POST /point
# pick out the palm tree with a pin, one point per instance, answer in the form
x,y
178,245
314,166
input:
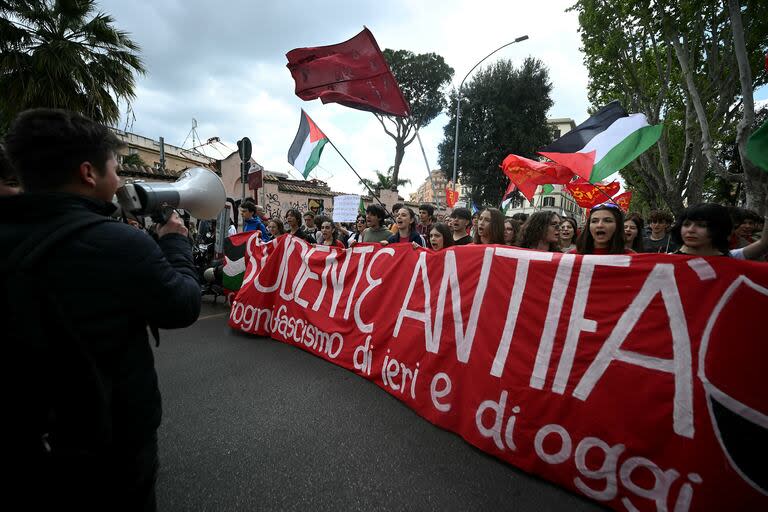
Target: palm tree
x,y
57,54
383,181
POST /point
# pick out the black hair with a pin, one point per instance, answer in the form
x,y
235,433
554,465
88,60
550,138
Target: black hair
x,y
47,146
637,243
522,217
396,208
461,213
248,205
719,224
428,208
739,215
296,214
377,211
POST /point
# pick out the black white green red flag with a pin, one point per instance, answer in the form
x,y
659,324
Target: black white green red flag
x,y
307,146
603,144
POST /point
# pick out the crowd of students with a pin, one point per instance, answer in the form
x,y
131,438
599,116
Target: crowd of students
x,y
706,229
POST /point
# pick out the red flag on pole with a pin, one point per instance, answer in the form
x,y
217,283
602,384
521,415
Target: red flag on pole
x,y
624,200
451,196
353,73
528,174
588,195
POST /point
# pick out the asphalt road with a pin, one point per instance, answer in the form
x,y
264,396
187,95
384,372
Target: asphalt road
x,y
253,424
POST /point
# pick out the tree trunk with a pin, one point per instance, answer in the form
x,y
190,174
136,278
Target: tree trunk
x,y
754,179
399,154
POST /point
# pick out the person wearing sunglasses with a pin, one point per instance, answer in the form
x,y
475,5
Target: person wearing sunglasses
x,y
357,233
604,232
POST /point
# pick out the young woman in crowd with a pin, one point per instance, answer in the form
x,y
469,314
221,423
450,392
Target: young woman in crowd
x,y
569,231
511,230
633,232
329,234
275,227
357,233
405,220
604,233
704,230
490,227
440,237
541,232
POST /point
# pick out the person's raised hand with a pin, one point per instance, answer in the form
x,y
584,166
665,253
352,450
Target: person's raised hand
x,y
174,225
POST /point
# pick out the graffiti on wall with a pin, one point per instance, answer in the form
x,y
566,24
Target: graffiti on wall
x,y
276,209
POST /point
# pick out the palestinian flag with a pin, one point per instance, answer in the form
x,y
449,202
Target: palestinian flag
x,y
234,260
603,144
757,145
307,146
506,200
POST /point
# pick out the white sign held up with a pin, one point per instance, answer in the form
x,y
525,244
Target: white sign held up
x,y
346,208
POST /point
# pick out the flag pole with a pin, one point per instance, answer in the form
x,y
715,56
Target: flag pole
x,y
358,176
429,172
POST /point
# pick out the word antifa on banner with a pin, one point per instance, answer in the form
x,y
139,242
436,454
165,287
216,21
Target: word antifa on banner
x,y
524,353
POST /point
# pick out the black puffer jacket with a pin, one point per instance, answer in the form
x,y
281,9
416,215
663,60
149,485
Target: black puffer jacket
x,y
110,281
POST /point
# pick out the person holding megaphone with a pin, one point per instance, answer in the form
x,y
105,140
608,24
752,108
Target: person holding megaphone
x,y
80,290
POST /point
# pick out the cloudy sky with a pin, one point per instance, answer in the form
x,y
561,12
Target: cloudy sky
x,y
223,64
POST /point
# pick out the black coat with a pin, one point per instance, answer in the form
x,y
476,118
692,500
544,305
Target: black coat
x,y
110,281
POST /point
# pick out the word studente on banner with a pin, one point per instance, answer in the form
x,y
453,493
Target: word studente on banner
x,y
633,380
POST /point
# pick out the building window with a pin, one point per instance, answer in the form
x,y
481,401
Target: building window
x,y
549,201
557,133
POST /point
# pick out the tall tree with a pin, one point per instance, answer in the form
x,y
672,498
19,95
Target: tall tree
x,y
503,111
678,63
60,54
422,78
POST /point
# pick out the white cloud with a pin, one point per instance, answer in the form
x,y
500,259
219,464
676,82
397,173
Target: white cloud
x,y
225,67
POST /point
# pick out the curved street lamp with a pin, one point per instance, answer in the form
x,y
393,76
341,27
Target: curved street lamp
x,y
458,104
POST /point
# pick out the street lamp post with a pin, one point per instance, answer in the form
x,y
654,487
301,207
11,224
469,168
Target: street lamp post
x,y
458,104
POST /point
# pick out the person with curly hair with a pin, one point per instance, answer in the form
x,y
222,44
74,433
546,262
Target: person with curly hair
x,y
541,232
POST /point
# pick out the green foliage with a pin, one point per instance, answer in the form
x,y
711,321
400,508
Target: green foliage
x,y
422,78
630,57
58,54
384,181
503,111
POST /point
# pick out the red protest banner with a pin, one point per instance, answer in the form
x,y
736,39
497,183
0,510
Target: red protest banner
x,y
633,380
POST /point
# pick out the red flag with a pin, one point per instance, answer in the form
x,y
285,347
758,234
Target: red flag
x,y
353,73
623,200
528,174
588,195
451,196
579,163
